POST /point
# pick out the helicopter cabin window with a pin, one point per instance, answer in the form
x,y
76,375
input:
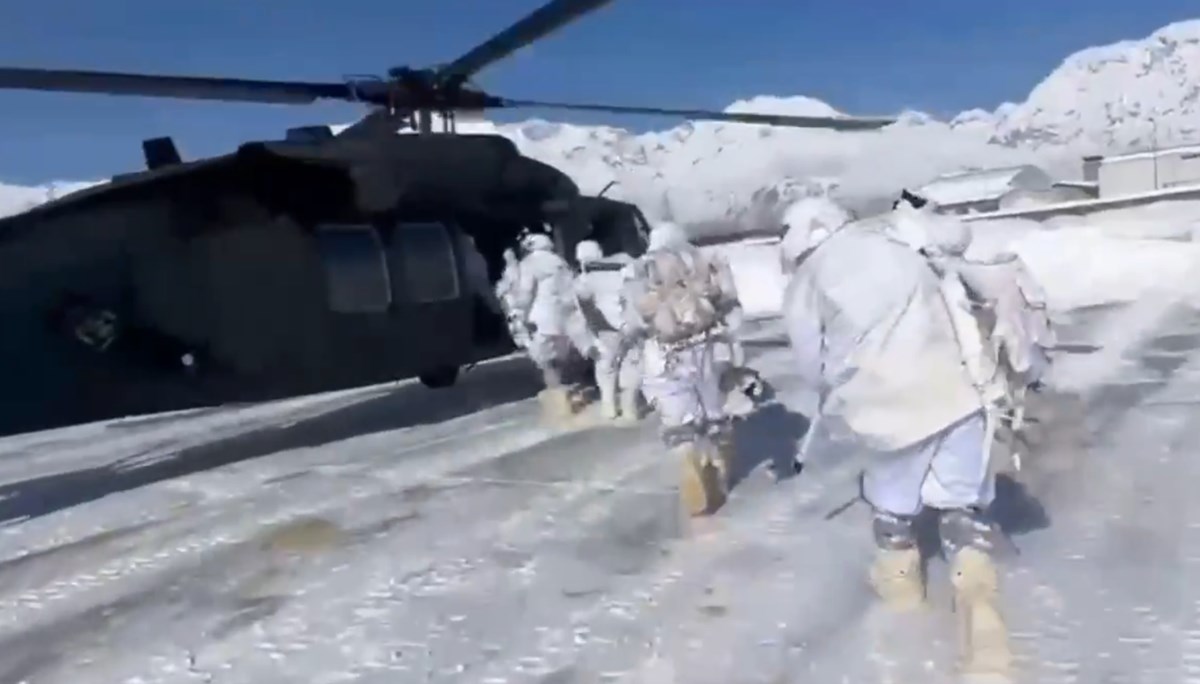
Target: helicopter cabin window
x,y
356,270
424,262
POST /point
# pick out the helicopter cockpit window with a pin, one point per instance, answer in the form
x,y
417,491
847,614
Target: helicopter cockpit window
x,y
424,263
356,270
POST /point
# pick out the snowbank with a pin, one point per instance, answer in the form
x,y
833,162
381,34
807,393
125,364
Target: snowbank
x,y
1105,258
1093,270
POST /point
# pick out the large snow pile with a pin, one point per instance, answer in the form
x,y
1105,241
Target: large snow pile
x,y
1097,100
1106,258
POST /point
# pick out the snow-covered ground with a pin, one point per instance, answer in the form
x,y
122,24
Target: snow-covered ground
x,y
394,534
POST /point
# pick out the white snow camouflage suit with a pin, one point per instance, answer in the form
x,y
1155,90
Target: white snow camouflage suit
x,y
681,323
598,289
888,343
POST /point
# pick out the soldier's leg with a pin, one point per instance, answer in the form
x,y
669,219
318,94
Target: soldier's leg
x,y
606,383
606,375
547,353
629,387
712,399
892,486
961,485
681,411
737,351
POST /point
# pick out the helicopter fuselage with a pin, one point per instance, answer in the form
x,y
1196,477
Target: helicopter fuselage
x,y
273,273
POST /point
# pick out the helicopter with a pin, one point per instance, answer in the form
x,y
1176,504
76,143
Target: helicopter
x,y
317,262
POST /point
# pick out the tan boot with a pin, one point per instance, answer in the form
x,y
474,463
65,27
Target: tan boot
x,y
700,488
557,408
983,636
897,579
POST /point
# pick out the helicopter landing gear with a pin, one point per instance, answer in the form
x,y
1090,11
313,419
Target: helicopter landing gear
x,y
437,378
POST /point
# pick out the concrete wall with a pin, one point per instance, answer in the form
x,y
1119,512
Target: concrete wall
x,y
1147,172
1090,206
965,208
1026,199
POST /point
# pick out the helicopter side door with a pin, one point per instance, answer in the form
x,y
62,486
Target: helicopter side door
x,y
431,286
358,279
401,289
425,264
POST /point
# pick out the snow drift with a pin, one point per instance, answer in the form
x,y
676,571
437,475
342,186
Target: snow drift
x,y
1107,258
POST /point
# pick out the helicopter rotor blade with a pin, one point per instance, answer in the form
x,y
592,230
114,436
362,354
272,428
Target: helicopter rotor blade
x,y
837,123
185,87
538,24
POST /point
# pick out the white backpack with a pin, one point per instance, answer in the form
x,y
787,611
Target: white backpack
x,y
680,295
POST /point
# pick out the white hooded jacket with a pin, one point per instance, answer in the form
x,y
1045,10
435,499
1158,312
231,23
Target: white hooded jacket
x,y
600,284
544,295
870,329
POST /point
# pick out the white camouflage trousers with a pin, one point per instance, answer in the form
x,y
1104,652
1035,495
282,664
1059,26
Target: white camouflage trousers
x,y
618,383
683,385
550,353
948,470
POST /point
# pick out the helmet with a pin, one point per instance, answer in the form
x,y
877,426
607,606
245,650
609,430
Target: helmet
x,y
588,251
809,222
667,235
538,242
911,199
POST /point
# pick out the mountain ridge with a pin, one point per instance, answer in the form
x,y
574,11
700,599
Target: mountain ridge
x,y
1132,94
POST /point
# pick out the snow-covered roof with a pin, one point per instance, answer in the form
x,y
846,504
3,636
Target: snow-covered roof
x,y
1151,154
981,186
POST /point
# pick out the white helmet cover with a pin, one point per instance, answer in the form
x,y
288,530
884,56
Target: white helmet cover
x,y
588,251
667,235
809,222
538,242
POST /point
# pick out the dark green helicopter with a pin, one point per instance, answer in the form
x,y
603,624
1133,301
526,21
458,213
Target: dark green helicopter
x,y
308,264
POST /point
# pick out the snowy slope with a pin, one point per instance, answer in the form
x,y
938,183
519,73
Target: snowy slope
x,y
1099,99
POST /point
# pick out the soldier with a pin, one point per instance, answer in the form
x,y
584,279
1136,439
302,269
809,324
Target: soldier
x,y
676,306
886,339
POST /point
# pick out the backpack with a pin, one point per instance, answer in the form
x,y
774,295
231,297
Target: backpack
x,y
974,328
680,295
609,268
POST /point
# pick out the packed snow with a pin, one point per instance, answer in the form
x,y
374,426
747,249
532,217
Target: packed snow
x,y
396,534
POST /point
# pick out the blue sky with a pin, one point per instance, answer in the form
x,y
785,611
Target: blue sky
x,y
864,57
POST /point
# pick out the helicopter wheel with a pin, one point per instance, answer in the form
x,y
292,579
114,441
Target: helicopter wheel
x,y
442,376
